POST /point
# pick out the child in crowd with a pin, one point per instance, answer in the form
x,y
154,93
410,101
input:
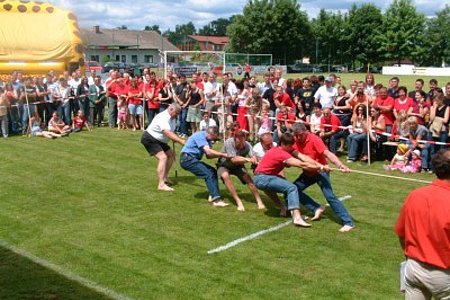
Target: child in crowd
x,y
415,162
266,122
36,130
79,122
122,113
400,159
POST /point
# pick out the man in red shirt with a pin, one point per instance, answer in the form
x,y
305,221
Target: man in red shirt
x,y
423,227
267,176
330,130
312,146
282,98
112,93
386,104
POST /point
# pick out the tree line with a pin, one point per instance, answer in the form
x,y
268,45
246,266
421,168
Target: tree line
x,y
363,35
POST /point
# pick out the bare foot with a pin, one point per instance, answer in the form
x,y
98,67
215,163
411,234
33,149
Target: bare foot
x,y
165,188
241,208
262,206
220,203
318,213
300,222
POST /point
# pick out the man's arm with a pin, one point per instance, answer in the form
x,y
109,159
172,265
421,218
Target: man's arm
x,y
309,166
211,153
171,135
335,160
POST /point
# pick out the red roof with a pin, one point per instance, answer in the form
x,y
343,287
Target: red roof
x,y
218,40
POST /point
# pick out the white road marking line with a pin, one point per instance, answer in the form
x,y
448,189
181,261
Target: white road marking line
x,y
66,273
259,233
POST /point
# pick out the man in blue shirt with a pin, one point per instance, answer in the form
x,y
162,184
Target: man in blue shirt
x,y
191,160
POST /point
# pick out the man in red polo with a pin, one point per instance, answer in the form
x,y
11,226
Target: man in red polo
x,y
423,227
386,105
330,129
312,146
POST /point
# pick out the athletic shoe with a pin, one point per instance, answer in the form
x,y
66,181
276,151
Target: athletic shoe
x,y
220,203
346,228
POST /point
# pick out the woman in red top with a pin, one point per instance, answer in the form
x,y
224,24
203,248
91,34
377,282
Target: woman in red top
x,y
135,109
403,102
151,94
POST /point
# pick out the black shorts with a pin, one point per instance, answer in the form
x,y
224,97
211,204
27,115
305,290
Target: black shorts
x,y
237,171
152,145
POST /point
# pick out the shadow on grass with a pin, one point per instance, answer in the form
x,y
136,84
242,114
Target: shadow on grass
x,y
21,278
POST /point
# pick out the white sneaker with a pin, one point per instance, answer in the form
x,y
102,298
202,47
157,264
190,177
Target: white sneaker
x,y
346,228
220,203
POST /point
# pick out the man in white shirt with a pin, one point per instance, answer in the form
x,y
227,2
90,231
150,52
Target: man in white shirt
x,y
155,139
326,93
207,122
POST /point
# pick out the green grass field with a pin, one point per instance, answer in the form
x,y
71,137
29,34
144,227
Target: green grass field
x,y
88,204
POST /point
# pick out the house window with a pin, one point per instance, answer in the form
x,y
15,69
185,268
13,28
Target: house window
x,y
134,59
124,58
117,57
148,58
95,58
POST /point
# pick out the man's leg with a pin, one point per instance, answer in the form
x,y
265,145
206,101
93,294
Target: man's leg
x,y
302,183
161,171
277,184
336,205
169,162
249,181
230,187
208,173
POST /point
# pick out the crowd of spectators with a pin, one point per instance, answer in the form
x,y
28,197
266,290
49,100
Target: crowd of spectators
x,y
358,120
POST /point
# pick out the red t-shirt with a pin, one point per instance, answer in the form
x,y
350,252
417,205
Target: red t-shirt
x,y
112,88
272,162
424,223
290,117
388,115
332,124
399,106
152,103
313,147
78,122
134,100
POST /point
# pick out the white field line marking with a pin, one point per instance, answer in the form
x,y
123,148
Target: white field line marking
x,y
259,233
341,199
66,273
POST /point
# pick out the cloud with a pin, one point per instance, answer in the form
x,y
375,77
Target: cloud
x,y
137,14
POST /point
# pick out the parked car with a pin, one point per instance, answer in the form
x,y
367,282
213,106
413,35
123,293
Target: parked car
x,y
93,66
120,66
300,68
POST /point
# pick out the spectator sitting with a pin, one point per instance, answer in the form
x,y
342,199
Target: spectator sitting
x,y
357,141
56,125
400,159
314,119
79,122
330,130
36,129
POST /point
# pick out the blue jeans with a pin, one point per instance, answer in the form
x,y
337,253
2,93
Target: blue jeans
x,y
202,170
334,140
323,180
67,114
183,123
277,184
355,142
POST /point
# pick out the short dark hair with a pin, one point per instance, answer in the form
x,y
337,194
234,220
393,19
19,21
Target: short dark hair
x,y
434,81
287,139
441,164
420,80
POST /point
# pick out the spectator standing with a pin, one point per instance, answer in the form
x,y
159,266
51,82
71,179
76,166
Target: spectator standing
x,y
423,229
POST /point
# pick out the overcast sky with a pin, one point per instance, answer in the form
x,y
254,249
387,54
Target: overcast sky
x,y
136,14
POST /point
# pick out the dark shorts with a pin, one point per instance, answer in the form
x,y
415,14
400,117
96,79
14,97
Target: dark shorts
x,y
152,145
239,172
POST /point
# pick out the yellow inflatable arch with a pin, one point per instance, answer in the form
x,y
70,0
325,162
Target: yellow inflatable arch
x,y
36,37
